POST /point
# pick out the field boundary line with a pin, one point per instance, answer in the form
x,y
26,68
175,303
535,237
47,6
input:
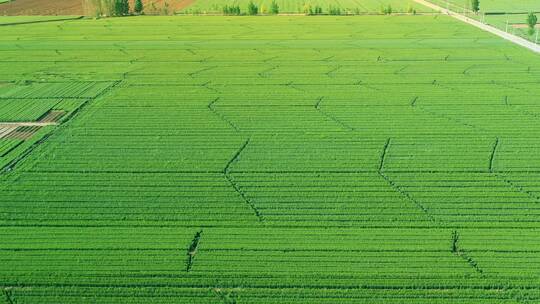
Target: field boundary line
x,y
517,187
459,252
383,154
396,187
212,108
235,186
493,153
42,21
235,157
488,28
7,295
192,250
331,117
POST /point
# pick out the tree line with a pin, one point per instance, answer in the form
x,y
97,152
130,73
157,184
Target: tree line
x,y
106,8
252,9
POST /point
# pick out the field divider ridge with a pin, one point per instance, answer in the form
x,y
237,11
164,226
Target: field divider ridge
x,y
331,117
458,251
492,156
43,21
192,250
397,188
212,108
228,177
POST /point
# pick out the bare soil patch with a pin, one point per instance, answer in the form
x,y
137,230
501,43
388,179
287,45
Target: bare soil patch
x,y
52,116
5,130
523,25
23,133
41,7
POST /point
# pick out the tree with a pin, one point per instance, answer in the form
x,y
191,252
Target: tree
x,y
165,9
138,6
307,9
121,7
252,8
475,6
125,7
100,8
231,10
531,22
334,10
387,10
274,8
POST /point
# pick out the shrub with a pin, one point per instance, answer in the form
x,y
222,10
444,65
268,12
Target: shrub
x,y
386,10
309,10
274,8
531,22
252,8
165,8
100,8
121,7
334,10
231,10
475,6
411,9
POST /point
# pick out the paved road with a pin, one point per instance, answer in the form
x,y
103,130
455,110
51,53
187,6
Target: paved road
x,y
488,28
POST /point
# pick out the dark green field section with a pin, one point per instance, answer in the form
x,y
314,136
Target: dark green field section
x,y
276,160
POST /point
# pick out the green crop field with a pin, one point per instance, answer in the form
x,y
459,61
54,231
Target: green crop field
x,y
300,6
287,159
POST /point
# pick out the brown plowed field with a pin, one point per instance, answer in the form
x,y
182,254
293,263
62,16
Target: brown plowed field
x,y
42,7
76,7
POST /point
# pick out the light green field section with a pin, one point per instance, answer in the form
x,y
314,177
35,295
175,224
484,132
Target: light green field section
x,y
373,159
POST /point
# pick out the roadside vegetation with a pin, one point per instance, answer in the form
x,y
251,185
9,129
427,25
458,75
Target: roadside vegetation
x,y
313,7
531,22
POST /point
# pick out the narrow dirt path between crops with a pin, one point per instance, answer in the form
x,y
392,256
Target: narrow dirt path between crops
x,y
488,28
523,25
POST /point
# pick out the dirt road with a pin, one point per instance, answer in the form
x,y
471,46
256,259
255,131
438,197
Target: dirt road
x,y
488,28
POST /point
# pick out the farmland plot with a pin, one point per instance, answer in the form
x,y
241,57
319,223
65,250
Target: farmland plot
x,y
268,160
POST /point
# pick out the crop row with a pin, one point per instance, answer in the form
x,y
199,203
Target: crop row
x,y
284,199
25,110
